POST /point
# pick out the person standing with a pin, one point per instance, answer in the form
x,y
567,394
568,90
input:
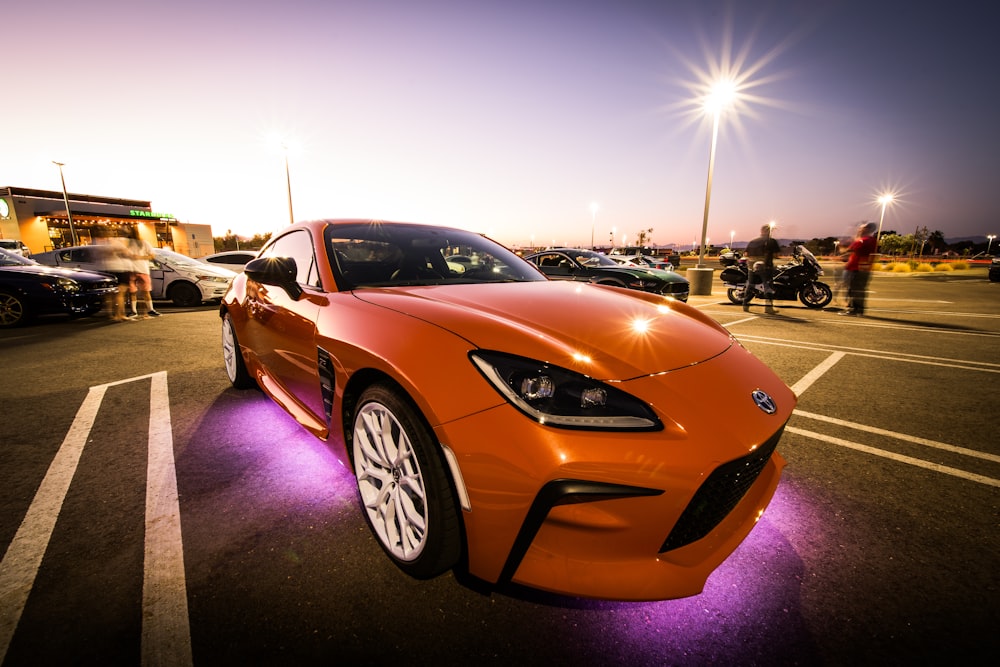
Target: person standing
x,y
141,252
114,260
760,254
857,269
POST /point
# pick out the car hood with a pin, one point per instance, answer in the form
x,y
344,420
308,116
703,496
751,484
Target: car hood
x,y
647,272
41,270
608,333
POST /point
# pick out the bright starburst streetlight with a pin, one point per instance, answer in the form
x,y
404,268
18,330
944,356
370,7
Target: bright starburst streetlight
x,y
884,199
989,242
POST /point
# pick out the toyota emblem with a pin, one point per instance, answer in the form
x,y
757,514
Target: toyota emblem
x,y
764,401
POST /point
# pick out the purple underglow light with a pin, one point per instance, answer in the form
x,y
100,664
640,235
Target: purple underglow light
x,y
253,460
754,595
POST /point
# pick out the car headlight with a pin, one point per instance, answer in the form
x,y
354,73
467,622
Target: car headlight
x,y
63,285
213,279
560,397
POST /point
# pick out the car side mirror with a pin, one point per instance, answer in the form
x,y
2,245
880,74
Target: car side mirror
x,y
279,271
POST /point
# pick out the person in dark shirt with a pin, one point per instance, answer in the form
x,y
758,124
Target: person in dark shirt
x,y
760,254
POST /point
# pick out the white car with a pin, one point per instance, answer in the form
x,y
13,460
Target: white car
x,y
175,277
15,246
644,261
234,260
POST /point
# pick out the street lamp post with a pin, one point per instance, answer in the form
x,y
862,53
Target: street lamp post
x,y
989,242
593,222
69,215
732,238
885,200
288,181
720,97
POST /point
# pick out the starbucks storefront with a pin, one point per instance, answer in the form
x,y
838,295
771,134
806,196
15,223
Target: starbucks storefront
x,y
41,220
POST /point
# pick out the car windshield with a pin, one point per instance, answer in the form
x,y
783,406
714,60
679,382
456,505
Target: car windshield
x,y
371,254
176,259
591,258
8,258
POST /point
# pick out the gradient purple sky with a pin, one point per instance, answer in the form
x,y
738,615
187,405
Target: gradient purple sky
x,y
511,117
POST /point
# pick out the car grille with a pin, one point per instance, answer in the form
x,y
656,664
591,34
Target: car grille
x,y
99,287
719,494
677,289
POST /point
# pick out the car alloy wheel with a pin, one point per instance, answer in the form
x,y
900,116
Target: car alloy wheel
x,y
12,310
404,490
232,357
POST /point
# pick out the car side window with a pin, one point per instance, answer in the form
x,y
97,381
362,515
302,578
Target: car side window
x,y
298,246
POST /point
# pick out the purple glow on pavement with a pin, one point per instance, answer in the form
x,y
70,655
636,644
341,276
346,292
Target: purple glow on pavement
x,y
729,622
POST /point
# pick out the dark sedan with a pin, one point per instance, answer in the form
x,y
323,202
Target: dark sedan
x,y
595,267
28,289
995,270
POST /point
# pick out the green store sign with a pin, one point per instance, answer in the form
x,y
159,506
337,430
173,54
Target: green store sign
x,y
136,213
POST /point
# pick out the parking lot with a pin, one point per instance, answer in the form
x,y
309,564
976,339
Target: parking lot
x,y
154,514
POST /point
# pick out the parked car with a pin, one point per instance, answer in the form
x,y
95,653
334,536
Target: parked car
x,y
234,260
175,277
28,289
995,270
15,246
556,434
596,267
644,261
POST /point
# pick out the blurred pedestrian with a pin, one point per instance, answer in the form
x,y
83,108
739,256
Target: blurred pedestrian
x,y
113,258
141,286
760,254
857,269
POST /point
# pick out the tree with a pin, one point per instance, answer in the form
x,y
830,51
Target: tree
x,y
644,236
936,242
233,242
826,246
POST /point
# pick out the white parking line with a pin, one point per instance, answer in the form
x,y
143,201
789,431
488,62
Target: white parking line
x,y
828,363
166,636
24,555
166,632
900,436
960,364
816,373
920,463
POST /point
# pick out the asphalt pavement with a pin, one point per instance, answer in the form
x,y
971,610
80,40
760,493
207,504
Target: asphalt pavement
x,y
880,547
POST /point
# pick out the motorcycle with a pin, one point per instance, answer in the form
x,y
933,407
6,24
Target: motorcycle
x,y
795,280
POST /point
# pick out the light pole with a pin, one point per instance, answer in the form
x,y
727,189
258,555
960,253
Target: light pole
x,y
593,222
885,200
288,181
732,238
69,216
989,242
719,99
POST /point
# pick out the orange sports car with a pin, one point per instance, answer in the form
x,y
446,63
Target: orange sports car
x,y
582,439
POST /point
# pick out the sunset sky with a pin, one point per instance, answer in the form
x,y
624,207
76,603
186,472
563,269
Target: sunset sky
x,y
511,117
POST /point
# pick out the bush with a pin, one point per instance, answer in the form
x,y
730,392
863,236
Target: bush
x,y
924,268
944,267
901,267
961,266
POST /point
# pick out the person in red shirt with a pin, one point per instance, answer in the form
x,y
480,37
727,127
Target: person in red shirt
x,y
857,270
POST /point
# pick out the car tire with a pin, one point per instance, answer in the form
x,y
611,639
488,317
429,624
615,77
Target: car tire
x,y
403,488
185,295
232,357
13,310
